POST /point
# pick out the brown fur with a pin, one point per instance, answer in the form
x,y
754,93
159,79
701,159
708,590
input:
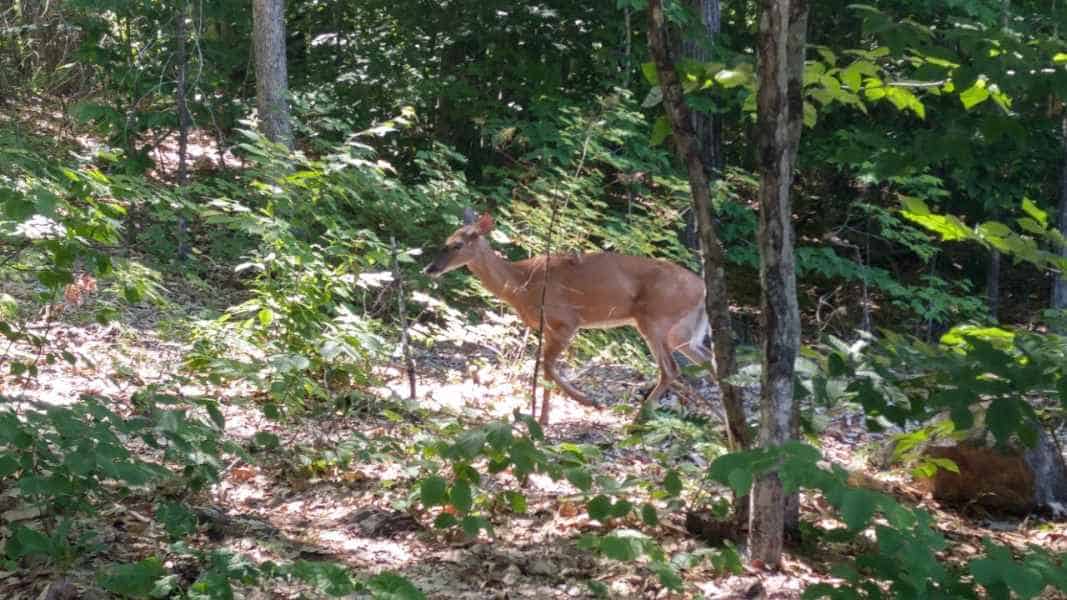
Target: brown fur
x,y
663,300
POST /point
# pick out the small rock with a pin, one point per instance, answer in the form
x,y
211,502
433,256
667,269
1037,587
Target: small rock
x,y
511,574
542,567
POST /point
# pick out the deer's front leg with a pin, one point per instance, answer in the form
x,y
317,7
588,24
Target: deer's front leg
x,y
556,340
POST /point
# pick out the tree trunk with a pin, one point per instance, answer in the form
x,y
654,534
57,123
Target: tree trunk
x,y
1059,286
781,40
707,128
272,88
714,259
184,120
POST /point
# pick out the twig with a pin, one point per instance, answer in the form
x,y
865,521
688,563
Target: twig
x,y
541,327
548,263
404,346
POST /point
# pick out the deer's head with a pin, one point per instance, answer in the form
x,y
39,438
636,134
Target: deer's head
x,y
462,246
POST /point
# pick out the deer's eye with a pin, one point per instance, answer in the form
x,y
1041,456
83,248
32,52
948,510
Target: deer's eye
x,y
455,246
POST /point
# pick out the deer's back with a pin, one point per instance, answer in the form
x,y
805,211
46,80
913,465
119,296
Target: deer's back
x,y
609,290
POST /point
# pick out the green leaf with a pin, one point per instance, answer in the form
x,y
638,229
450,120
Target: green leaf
x,y
857,508
620,548
811,115
28,542
266,317
444,521
621,508
579,478
8,465
83,461
177,520
1036,213
1003,417
667,575
461,497
994,229
672,483
974,95
904,99
914,205
731,78
389,586
536,433
660,130
499,435
472,525
132,294
740,481
996,570
469,445
1031,226
216,415
516,501
432,491
648,69
852,75
266,440
599,507
137,579
466,473
648,515
130,473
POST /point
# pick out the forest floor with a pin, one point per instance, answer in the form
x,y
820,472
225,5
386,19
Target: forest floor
x,y
305,501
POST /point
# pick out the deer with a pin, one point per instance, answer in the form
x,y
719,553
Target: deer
x,y
664,301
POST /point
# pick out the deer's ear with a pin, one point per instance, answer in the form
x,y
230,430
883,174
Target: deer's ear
x,y
468,216
485,223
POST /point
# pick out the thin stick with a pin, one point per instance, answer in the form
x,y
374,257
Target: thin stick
x,y
404,346
541,327
548,261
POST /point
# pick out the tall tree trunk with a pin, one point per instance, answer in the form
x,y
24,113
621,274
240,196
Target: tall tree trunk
x,y
716,297
272,85
1059,286
184,120
781,40
707,128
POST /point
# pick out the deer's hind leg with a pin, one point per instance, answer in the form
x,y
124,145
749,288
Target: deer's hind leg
x,y
656,337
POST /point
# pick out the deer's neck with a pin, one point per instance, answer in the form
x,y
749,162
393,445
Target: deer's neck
x,y
503,278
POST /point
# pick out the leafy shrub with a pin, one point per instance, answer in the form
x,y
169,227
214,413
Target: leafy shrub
x,y
319,276
904,557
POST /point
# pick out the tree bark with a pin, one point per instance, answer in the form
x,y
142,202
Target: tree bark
x,y
272,87
781,41
707,128
716,297
1059,286
184,120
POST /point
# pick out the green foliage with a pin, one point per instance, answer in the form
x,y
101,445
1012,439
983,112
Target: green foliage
x,y
305,334
520,447
137,580
61,458
56,225
907,543
586,164
997,235
905,380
